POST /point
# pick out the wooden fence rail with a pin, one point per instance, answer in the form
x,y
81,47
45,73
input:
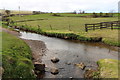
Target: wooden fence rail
x,y
109,25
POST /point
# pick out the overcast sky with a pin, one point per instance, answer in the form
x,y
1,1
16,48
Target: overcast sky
x,y
61,5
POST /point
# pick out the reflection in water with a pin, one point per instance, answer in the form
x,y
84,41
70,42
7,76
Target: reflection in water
x,y
69,53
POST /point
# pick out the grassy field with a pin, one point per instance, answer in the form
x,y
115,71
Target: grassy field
x,y
109,36
108,68
76,24
71,24
16,57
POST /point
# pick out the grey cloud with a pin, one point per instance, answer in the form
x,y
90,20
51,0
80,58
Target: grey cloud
x,y
60,5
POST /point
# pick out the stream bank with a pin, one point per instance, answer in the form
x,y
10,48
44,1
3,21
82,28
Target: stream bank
x,y
70,53
69,35
37,47
78,52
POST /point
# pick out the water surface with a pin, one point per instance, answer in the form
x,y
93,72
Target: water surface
x,y
69,53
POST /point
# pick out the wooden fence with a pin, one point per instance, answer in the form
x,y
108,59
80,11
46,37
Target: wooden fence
x,y
109,25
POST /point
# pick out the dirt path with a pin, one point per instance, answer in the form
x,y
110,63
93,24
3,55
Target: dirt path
x,y
37,47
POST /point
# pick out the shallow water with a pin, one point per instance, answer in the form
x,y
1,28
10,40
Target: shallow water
x,y
70,52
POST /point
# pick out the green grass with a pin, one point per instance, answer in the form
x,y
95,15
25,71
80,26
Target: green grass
x,y
77,25
109,36
108,68
16,57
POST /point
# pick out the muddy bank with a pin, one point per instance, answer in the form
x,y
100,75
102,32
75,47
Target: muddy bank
x,y
38,48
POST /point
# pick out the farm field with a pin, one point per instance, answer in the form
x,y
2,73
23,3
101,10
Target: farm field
x,y
71,24
76,24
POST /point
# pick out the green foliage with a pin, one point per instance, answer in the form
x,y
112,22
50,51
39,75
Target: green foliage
x,y
83,38
16,58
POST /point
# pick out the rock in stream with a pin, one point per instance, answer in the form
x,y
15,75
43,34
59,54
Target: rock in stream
x,y
39,67
55,60
54,71
81,65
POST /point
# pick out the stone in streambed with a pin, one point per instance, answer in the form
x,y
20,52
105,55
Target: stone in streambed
x,y
54,71
71,78
81,65
55,60
68,63
89,73
39,66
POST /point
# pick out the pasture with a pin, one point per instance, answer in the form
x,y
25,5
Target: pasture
x,y
76,24
69,23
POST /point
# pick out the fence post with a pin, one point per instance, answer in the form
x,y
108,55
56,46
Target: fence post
x,y
93,26
38,27
50,27
26,25
86,28
118,25
106,24
111,25
69,28
100,25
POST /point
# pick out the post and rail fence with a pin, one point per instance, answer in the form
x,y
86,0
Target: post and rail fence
x,y
109,25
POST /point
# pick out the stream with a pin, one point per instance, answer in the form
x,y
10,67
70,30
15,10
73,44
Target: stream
x,y
70,52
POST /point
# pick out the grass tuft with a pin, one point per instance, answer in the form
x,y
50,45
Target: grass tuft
x,y
108,68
